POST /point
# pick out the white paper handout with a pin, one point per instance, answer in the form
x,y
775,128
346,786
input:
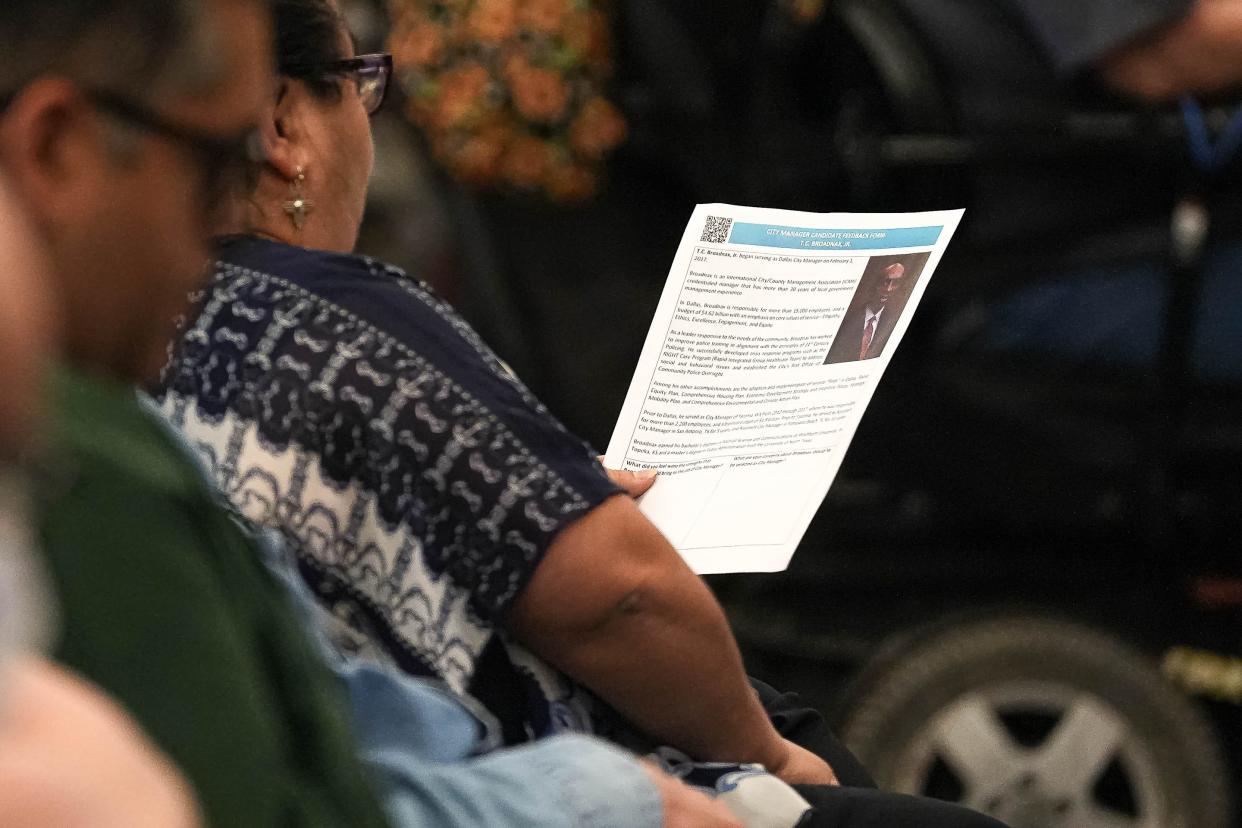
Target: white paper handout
x,y
772,333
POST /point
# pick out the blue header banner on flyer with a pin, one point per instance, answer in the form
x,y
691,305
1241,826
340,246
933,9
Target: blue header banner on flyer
x,y
816,238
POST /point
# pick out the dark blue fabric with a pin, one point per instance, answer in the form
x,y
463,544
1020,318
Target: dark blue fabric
x,y
382,295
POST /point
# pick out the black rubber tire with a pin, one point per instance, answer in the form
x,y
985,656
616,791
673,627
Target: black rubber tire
x,y
891,719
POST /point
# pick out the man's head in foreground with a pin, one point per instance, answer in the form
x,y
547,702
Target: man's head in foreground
x,y
121,121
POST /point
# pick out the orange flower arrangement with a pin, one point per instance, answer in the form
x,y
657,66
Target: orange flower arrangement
x,y
511,93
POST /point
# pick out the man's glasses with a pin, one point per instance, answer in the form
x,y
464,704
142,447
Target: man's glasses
x,y
227,163
370,74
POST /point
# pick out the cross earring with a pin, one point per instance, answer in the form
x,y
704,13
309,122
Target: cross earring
x,y
298,207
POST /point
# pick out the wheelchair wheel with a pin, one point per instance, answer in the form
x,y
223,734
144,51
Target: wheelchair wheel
x,y
1040,722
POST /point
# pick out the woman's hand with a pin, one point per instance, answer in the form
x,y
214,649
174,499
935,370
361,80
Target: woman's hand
x,y
801,767
635,483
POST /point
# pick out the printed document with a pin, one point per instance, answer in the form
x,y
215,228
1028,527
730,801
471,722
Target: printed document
x,y
772,333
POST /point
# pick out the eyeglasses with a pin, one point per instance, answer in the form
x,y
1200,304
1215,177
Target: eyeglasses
x,y
370,73
226,162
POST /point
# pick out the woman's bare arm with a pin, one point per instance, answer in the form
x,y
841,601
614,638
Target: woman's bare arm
x,y
614,606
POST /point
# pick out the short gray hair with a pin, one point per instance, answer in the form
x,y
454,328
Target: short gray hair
x,y
143,48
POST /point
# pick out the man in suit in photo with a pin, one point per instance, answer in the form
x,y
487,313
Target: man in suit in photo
x,y
870,320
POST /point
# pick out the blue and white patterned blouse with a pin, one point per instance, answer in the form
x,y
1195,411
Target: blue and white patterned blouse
x,y
338,400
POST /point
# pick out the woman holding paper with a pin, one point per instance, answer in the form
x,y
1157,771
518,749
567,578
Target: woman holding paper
x,y
437,509
446,522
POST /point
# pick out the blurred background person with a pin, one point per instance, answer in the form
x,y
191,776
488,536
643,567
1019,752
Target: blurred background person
x,y
1091,194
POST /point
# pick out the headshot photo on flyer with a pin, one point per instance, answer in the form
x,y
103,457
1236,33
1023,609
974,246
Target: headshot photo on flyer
x,y
876,306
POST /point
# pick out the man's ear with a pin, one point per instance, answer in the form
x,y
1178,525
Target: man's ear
x,y
51,150
282,130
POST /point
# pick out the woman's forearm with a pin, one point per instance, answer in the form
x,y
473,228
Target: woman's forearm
x,y
614,607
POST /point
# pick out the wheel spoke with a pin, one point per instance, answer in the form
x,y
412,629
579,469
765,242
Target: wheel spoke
x,y
976,744
1078,750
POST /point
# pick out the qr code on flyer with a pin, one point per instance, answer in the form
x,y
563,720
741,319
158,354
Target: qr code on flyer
x,y
716,230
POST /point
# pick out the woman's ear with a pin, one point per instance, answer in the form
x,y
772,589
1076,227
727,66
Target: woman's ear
x,y
282,133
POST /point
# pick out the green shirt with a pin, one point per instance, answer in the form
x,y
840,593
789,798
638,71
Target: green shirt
x,y
165,604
